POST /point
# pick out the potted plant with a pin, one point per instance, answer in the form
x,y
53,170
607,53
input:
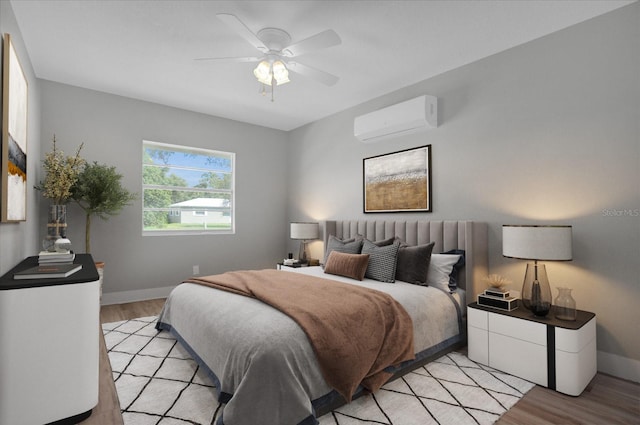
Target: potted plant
x,y
99,192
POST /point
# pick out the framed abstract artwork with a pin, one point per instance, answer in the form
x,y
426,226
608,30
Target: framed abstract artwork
x,y
398,181
14,136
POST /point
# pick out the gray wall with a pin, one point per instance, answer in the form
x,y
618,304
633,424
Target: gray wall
x,y
19,240
112,129
543,133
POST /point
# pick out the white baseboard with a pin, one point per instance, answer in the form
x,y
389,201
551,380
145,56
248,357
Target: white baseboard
x,y
618,366
137,295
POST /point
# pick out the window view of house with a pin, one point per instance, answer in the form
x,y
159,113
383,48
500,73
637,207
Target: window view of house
x,y
186,190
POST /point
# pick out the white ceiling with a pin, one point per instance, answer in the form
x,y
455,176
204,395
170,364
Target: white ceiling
x,y
145,49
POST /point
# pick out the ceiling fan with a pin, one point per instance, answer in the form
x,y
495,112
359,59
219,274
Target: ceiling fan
x,y
277,52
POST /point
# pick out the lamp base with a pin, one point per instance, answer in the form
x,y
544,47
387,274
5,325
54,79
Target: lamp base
x,y
536,292
302,255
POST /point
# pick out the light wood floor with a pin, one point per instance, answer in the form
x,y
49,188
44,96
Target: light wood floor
x,y
606,400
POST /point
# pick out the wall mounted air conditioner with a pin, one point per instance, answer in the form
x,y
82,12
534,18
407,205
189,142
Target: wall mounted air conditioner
x,y
402,118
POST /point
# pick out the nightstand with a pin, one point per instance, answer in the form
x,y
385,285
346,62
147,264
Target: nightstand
x,y
557,354
280,265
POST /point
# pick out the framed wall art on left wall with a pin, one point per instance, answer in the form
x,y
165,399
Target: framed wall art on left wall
x,y
14,136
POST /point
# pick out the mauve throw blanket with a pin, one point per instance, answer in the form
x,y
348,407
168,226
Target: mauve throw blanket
x,y
355,332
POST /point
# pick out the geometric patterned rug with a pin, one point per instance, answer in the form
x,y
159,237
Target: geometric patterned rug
x,y
158,383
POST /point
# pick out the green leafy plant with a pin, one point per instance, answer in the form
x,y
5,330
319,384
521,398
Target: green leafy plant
x,y
99,192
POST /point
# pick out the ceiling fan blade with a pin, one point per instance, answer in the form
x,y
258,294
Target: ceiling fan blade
x,y
316,74
319,41
238,26
231,59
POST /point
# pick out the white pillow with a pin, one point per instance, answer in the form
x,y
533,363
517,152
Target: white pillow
x,y
440,269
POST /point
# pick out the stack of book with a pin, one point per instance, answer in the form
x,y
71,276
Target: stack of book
x,y
47,257
498,298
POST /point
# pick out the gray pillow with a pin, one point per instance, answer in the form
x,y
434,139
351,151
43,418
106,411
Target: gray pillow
x,y
348,246
413,263
382,261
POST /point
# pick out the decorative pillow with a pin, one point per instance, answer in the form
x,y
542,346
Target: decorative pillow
x,y
413,263
382,261
444,268
349,246
348,265
386,242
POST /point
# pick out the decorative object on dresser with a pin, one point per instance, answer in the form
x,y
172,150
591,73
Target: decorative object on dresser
x,y
498,299
532,242
304,232
496,295
557,354
564,305
496,282
61,173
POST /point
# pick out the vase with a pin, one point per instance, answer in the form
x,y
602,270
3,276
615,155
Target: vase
x,y
536,292
56,225
565,305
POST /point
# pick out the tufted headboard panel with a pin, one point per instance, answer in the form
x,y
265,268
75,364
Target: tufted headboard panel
x,y
471,236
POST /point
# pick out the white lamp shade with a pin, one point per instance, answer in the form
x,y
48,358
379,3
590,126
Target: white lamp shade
x,y
304,231
547,243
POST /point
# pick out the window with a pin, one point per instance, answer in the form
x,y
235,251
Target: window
x,y
186,190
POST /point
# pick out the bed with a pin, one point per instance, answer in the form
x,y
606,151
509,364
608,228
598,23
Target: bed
x,y
263,365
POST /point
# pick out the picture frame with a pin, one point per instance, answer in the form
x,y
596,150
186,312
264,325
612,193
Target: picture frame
x,y
13,206
398,181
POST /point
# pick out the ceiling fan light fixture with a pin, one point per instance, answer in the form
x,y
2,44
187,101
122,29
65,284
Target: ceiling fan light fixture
x,y
280,73
263,72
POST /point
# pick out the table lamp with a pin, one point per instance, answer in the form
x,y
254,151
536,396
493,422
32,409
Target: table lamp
x,y
304,232
544,243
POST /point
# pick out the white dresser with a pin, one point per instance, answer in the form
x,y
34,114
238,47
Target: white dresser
x,y
49,346
557,354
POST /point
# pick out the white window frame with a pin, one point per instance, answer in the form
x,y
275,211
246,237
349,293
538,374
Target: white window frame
x,y
171,211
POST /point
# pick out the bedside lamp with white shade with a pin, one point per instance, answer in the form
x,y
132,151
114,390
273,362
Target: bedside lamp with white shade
x,y
304,232
538,243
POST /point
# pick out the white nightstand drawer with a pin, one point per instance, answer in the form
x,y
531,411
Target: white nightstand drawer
x,y
520,358
478,345
573,341
477,318
575,370
517,328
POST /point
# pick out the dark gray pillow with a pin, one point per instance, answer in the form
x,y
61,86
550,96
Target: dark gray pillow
x,y
382,261
413,263
348,246
385,242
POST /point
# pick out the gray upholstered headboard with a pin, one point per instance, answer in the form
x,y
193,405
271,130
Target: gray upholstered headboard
x,y
471,236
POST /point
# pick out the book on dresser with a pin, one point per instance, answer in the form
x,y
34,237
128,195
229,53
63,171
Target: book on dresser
x,y
47,257
47,271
